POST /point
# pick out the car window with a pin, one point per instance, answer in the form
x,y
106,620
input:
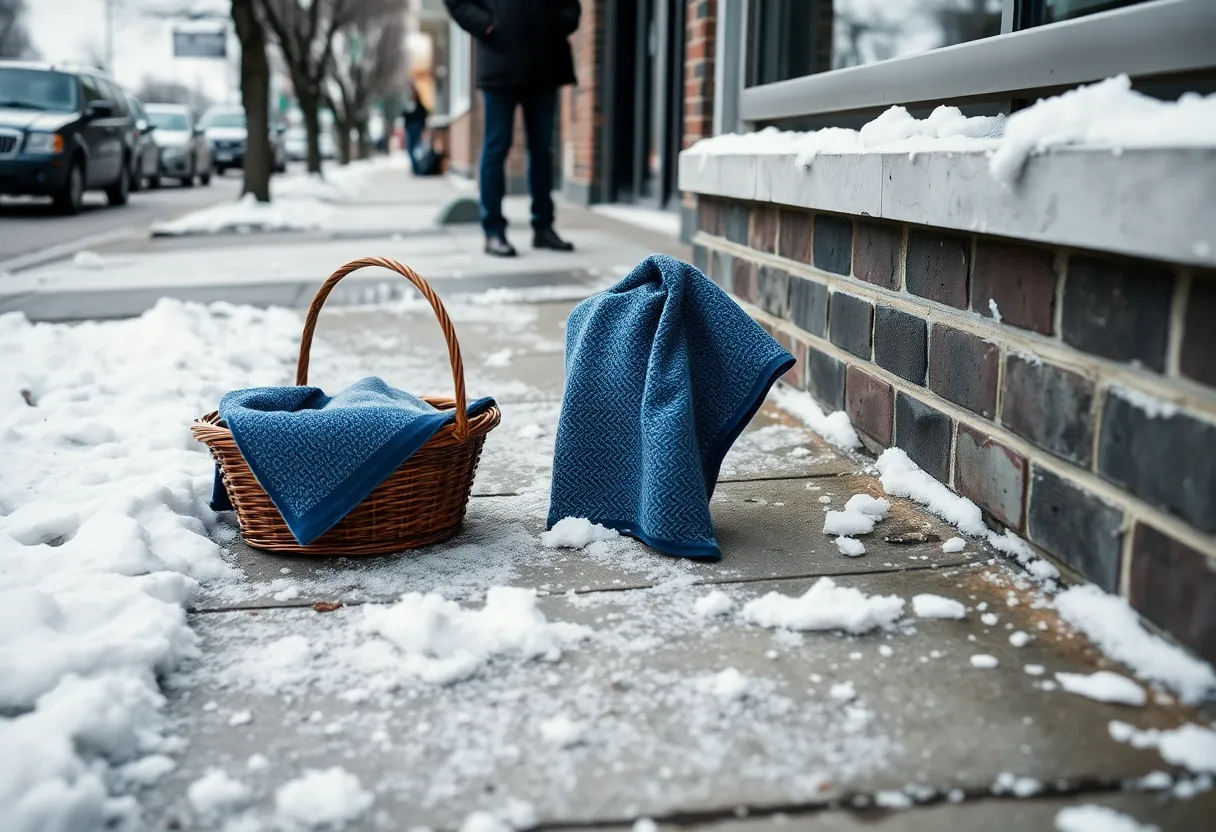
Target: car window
x,y
233,118
37,89
91,91
114,96
170,121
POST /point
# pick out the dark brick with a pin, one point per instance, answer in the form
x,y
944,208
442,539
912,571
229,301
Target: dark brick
x,y
1050,406
809,305
743,279
963,368
1075,526
794,236
876,253
937,267
1118,310
869,404
833,243
700,259
991,474
709,216
733,219
1022,281
1174,586
851,323
794,375
723,270
901,343
774,291
1165,459
925,433
763,235
1198,357
825,379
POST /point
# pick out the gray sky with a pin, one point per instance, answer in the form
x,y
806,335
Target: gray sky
x,y
70,30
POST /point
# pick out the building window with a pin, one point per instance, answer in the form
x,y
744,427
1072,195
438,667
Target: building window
x,y
460,68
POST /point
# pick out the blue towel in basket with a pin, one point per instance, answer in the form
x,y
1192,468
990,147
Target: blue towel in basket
x,y
663,371
319,456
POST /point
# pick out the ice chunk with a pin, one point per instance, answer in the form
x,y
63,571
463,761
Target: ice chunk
x,y
984,661
575,533
928,605
825,606
1103,686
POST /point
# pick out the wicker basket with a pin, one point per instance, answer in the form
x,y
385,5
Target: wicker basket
x,y
422,502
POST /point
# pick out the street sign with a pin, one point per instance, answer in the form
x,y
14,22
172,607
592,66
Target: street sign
x,y
196,43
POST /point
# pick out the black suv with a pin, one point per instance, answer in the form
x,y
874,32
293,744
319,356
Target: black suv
x,y
62,132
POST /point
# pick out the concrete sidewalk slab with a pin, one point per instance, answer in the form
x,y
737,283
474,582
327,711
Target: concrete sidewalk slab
x,y
657,741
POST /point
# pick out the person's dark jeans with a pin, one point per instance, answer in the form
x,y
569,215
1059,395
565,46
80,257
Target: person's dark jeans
x,y
413,138
540,109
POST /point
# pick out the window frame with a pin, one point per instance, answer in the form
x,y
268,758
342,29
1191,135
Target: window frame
x,y
1152,38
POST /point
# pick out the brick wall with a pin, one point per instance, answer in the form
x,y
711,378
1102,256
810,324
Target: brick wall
x,y
701,20
582,117
1071,395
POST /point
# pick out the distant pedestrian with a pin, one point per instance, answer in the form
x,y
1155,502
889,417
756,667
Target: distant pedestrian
x,y
523,58
415,116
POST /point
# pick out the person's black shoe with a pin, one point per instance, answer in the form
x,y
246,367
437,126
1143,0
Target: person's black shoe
x,y
499,247
549,239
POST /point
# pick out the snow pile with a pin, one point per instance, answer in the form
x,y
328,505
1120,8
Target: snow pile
x,y
1191,746
860,514
337,183
825,606
1109,115
329,798
104,536
215,794
928,605
1111,623
1103,686
575,533
727,685
248,215
850,547
835,429
714,604
953,545
562,731
1090,817
440,642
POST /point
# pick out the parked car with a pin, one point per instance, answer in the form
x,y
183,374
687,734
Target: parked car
x,y
63,132
185,153
295,142
146,157
227,134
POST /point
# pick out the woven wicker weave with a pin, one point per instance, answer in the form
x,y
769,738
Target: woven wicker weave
x,y
422,502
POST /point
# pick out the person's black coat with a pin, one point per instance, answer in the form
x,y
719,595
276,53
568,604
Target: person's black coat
x,y
520,43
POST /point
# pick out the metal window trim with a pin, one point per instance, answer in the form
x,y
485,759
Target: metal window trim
x,y
1149,39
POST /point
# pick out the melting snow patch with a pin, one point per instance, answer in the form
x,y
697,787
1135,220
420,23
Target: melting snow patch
x,y
901,477
1111,623
892,799
825,606
1091,817
562,731
927,605
996,313
850,547
442,643
1154,407
1191,746
1103,686
835,429
1008,783
1019,638
484,822
532,431
502,358
953,545
215,794
331,797
848,522
727,685
843,691
575,533
714,604
984,661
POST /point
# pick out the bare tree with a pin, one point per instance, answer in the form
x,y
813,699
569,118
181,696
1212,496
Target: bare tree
x,y
255,97
369,59
14,38
304,31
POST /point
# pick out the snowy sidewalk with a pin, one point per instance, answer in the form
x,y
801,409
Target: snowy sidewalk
x,y
491,683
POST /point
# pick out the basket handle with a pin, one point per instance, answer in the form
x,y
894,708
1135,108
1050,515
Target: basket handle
x,y
445,323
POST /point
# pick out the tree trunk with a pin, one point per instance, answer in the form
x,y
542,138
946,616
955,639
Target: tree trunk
x,y
345,151
365,142
310,109
255,97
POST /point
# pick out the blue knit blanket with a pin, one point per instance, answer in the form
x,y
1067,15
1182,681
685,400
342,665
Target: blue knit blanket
x,y
319,456
663,371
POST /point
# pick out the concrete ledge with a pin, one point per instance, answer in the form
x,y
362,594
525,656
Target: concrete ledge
x,y
1155,204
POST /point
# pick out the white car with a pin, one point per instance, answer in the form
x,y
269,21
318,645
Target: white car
x,y
185,154
225,128
295,142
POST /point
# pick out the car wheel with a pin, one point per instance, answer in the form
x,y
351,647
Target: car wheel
x,y
137,181
154,180
205,178
220,171
118,193
188,180
71,198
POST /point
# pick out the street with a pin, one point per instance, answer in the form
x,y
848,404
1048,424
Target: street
x,y
31,225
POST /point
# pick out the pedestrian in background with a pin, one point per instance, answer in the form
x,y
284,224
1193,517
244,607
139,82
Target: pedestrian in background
x,y
415,123
523,58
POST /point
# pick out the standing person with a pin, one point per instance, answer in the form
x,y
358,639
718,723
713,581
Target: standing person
x,y
415,122
523,58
